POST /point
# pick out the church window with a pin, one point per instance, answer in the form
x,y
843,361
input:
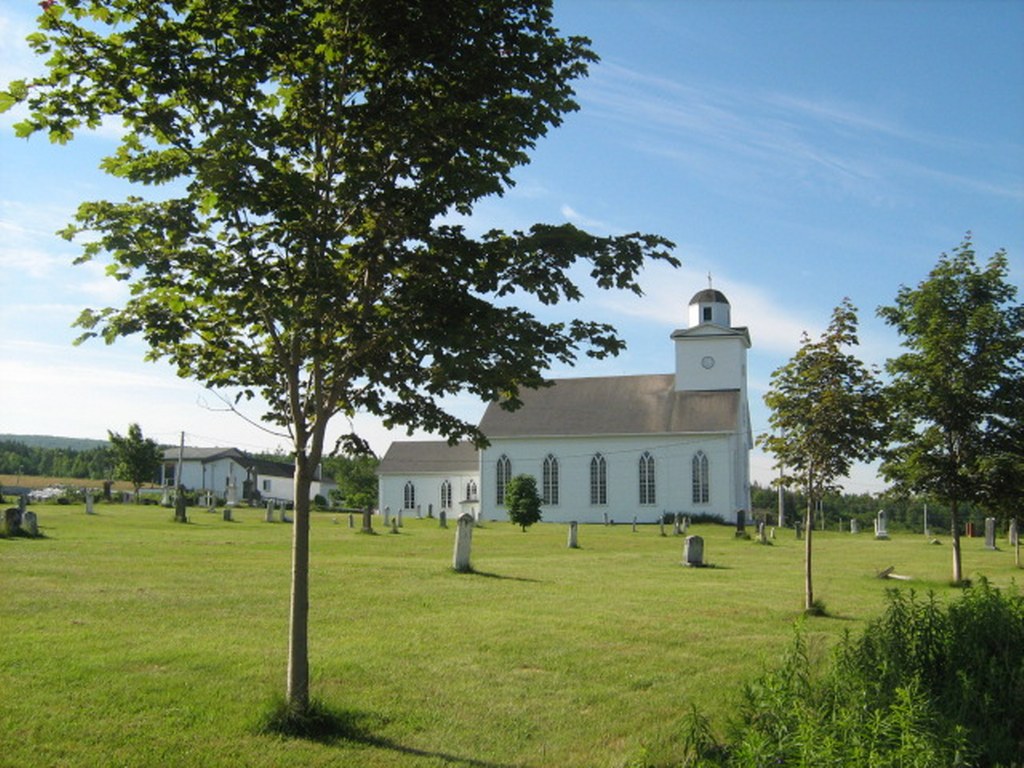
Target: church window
x,y
598,480
502,474
471,490
707,314
550,480
701,493
647,479
409,495
446,495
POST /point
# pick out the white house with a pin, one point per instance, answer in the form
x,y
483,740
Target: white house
x,y
219,469
614,447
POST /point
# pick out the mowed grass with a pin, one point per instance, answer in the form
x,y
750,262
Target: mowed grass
x,y
131,640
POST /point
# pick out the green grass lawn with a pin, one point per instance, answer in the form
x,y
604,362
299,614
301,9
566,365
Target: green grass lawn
x,y
130,640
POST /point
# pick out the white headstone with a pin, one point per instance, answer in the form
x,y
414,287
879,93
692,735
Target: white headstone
x,y
232,492
854,525
89,503
463,544
693,551
1014,535
990,533
574,535
882,525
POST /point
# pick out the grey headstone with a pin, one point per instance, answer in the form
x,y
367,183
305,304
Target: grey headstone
x,y
854,525
387,515
1014,535
463,544
12,521
741,521
394,526
990,533
400,518
227,514
89,503
574,535
29,523
882,525
269,516
442,518
693,551
367,520
351,520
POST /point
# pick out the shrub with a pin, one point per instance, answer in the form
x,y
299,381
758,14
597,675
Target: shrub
x,y
922,685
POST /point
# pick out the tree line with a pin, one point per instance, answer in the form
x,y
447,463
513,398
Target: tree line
x,y
18,458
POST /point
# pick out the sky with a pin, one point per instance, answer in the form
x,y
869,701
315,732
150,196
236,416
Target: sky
x,y
798,152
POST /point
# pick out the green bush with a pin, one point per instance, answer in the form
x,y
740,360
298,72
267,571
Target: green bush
x,y
923,685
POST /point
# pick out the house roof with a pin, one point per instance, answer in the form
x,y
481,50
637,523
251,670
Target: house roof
x,y
614,405
429,456
189,453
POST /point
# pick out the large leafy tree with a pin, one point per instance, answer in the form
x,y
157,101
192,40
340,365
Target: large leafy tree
x,y
304,247
956,390
137,459
827,412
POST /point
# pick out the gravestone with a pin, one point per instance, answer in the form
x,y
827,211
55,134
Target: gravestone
x,y
677,525
400,518
227,514
442,518
634,523
88,503
771,534
233,493
854,525
22,502
29,523
693,552
573,535
269,516
661,524
165,498
1014,535
606,518
12,521
367,520
882,525
463,544
284,515
351,520
741,522
430,511
387,515
990,533
761,536
180,515
686,524
394,526
418,513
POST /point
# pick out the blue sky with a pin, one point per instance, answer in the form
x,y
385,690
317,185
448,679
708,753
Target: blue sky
x,y
799,152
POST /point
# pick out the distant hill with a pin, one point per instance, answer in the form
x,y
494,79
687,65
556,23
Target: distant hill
x,y
50,441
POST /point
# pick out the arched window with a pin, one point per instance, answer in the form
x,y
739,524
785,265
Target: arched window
x,y
647,479
502,474
409,496
446,495
701,486
598,480
471,490
550,480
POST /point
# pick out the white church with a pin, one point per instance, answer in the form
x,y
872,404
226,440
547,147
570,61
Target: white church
x,y
604,448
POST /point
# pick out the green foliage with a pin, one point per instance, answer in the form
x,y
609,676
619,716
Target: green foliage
x,y
137,459
356,477
522,500
957,391
19,458
923,685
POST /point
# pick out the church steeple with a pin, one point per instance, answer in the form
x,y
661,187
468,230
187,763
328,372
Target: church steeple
x,y
710,353
709,306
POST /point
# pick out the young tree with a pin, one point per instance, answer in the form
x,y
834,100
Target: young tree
x,y
956,390
827,412
523,501
136,459
307,251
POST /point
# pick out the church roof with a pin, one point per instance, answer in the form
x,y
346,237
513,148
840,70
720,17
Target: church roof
x,y
614,405
429,456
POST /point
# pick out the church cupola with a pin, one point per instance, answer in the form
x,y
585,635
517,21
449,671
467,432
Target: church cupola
x,y
709,306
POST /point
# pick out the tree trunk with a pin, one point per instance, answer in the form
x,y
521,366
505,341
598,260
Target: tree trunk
x,y
808,533
298,627
954,518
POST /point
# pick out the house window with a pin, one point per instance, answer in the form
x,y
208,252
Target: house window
x,y
266,485
598,480
550,480
471,492
409,496
502,474
446,495
700,478
647,479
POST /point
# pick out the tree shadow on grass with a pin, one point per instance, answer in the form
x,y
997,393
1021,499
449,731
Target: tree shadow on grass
x,y
334,727
488,575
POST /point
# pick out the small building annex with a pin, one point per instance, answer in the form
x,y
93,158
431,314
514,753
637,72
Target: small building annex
x,y
614,447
